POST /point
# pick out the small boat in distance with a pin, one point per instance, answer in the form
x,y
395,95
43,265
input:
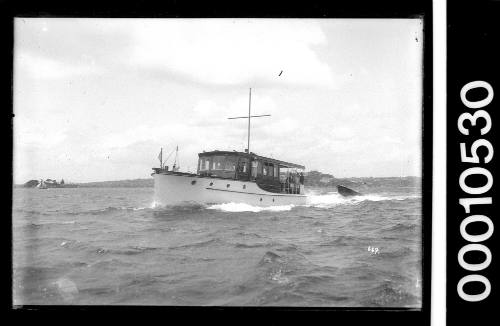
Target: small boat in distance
x,y
231,177
347,192
42,185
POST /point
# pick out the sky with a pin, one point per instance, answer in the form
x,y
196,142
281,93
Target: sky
x,y
96,99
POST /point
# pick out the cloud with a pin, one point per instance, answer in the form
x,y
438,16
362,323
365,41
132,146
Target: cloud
x,y
40,67
228,52
210,51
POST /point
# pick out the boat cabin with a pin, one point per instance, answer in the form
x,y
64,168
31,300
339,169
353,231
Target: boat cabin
x,y
270,174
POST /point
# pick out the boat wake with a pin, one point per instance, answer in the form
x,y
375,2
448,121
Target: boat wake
x,y
334,198
328,200
241,207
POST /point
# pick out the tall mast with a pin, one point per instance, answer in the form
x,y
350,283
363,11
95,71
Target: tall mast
x,y
176,153
249,117
160,157
249,106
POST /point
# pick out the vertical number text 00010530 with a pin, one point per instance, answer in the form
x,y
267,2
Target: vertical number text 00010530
x,y
468,203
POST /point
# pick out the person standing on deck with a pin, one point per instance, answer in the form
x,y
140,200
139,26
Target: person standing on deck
x,y
297,184
289,183
301,180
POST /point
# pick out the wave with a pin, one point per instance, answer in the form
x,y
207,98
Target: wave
x,y
139,281
313,200
270,257
339,241
111,264
197,244
247,245
35,273
106,210
278,276
134,250
383,198
390,294
400,227
248,234
98,211
30,212
37,225
130,250
99,291
313,280
112,209
288,248
334,199
126,251
241,207
401,252
188,207
141,208
81,245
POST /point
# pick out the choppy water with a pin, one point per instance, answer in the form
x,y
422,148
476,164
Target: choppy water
x,y
110,246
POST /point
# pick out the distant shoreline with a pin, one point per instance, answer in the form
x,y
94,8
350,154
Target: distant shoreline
x,y
318,180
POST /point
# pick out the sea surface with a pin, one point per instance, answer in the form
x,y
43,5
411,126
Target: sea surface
x,y
100,246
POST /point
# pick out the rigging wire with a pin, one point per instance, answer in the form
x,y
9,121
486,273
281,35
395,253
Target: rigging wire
x,y
165,161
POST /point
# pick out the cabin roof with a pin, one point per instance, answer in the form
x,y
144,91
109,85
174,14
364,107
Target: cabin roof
x,y
255,156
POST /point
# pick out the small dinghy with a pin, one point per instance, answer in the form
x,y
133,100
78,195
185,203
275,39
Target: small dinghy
x,y
347,192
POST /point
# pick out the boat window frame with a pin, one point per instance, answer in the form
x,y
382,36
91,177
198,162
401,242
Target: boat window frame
x,y
220,165
206,164
254,169
215,159
270,167
232,160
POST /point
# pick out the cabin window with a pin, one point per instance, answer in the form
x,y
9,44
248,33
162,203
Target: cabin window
x,y
230,163
223,163
204,164
218,162
254,169
271,169
276,171
283,175
259,168
268,169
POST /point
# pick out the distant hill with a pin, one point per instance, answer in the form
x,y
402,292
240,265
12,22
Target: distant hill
x,y
313,179
134,183
49,183
318,179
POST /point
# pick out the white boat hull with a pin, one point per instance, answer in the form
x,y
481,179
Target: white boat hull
x,y
177,189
